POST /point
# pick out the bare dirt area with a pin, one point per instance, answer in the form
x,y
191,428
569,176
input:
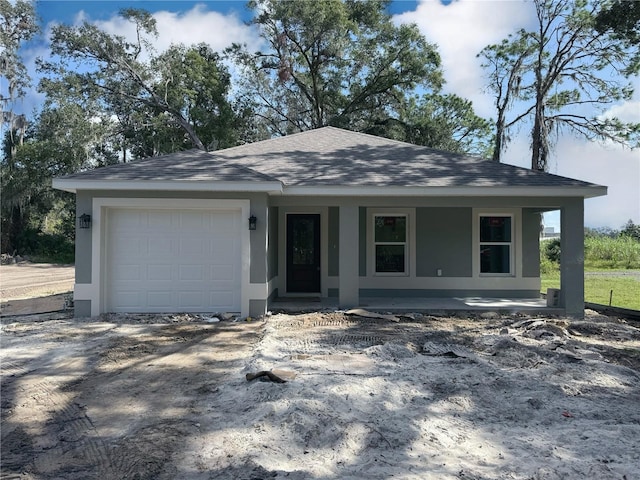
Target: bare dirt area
x,y
166,397
34,287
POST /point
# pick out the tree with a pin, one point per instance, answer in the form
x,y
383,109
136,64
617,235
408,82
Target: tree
x,y
556,73
341,63
446,122
631,230
622,18
58,142
177,98
18,24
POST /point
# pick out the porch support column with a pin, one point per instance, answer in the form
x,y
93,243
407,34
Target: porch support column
x,y
572,257
348,283
257,293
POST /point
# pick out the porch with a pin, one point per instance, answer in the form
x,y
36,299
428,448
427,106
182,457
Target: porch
x,y
425,305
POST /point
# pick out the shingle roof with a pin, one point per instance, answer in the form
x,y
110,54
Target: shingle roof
x,y
194,165
331,156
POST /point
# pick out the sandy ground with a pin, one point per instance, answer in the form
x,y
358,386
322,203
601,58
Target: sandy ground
x,y
34,287
166,397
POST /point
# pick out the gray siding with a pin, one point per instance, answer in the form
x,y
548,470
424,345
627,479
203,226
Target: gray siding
x,y
362,241
444,241
272,253
530,243
334,244
83,240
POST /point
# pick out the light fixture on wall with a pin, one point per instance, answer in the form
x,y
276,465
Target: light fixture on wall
x,y
253,222
84,221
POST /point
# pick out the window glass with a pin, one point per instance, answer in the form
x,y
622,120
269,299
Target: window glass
x,y
390,229
495,229
389,258
495,244
390,244
495,259
303,242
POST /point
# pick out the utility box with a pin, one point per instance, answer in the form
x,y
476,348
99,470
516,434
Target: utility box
x,y
553,297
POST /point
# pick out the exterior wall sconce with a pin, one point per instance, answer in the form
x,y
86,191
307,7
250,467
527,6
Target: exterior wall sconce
x,y
84,221
253,222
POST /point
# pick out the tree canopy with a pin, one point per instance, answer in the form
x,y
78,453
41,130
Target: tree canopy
x,y
341,63
161,102
549,75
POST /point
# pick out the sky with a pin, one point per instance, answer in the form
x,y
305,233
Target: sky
x,y
460,28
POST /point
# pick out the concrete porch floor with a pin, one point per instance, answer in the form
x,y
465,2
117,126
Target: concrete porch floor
x,y
422,305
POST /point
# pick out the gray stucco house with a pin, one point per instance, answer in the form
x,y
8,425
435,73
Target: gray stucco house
x,y
335,214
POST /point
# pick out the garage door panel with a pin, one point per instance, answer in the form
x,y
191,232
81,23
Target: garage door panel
x,y
173,260
130,245
226,221
222,273
223,298
191,272
125,273
194,245
158,246
126,300
195,221
159,219
159,272
160,299
189,300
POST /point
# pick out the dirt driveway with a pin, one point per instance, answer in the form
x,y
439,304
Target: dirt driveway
x,y
161,397
34,287
106,399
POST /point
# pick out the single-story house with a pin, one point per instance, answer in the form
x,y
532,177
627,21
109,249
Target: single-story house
x,y
323,213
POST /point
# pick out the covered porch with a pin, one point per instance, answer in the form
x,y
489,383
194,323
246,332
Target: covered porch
x,y
424,305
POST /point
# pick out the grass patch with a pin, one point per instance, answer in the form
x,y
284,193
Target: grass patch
x,y
626,290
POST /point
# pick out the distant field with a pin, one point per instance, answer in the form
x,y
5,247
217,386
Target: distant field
x,y
599,284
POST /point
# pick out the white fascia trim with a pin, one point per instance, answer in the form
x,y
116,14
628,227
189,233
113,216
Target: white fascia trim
x,y
96,289
72,185
332,191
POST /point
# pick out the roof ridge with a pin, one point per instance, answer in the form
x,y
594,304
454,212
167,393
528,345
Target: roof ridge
x,y
266,140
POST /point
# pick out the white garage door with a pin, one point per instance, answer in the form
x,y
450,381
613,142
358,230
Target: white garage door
x,y
173,260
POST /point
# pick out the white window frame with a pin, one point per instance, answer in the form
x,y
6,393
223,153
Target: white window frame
x,y
512,244
407,243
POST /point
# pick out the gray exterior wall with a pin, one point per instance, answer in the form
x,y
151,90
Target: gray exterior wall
x,y
444,241
83,240
362,241
530,242
443,225
272,253
333,235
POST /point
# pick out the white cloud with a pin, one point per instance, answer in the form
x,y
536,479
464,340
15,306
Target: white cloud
x,y
461,30
613,166
191,27
627,112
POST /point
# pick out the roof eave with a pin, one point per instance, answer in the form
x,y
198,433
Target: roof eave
x,y
73,185
585,191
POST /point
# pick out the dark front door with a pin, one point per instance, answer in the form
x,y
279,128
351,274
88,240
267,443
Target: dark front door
x,y
303,253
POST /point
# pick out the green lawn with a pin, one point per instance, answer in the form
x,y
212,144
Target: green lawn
x,y
597,288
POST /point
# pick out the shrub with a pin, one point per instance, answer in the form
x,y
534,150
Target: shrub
x,y
551,250
605,252
47,247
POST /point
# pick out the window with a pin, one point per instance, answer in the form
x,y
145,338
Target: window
x,y
496,244
390,244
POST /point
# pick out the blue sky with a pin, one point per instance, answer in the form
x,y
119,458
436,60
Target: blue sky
x,y
460,28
